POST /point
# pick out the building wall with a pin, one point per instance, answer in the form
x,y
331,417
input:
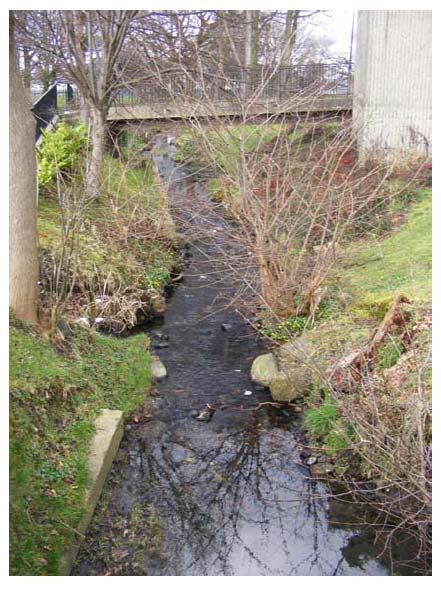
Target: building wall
x,y
392,107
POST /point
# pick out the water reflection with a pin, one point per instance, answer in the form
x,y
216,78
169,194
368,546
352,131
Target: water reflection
x,y
236,504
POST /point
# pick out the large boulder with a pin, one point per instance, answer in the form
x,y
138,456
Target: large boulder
x,y
264,369
293,368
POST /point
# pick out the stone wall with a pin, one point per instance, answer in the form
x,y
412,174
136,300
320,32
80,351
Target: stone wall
x,y
392,106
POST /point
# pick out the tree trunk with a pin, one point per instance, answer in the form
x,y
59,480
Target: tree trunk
x,y
23,258
27,72
251,37
95,168
289,36
84,111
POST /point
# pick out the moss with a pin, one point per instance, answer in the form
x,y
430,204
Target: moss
x,y
54,399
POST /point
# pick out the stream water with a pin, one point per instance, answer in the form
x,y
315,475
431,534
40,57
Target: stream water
x,y
228,496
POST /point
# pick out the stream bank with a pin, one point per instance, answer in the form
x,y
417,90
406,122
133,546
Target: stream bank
x,y
226,494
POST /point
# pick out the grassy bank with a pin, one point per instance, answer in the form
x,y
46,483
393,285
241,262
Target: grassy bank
x,y
379,432
103,262
108,258
54,399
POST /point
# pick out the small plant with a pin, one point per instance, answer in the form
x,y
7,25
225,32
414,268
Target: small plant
x,y
337,439
285,329
389,353
321,419
52,472
60,150
156,278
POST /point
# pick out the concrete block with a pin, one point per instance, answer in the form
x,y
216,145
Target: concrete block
x,y
109,429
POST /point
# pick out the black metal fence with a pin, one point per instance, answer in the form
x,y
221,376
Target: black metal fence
x,y
59,97
239,84
221,86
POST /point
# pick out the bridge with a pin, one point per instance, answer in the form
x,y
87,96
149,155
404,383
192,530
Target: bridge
x,y
178,94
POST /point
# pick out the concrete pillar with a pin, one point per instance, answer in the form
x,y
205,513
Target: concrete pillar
x,y
392,106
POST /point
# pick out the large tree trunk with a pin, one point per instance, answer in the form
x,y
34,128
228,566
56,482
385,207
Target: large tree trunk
x,y
23,259
95,167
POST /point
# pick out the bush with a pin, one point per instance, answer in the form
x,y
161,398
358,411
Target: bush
x,y
60,150
320,420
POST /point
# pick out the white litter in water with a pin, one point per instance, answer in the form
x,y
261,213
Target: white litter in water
x,y
248,393
237,370
202,276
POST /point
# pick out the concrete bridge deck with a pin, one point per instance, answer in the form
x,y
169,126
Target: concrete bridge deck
x,y
190,109
239,92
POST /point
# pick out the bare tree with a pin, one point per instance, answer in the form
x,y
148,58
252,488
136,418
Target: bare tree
x,y
87,45
23,262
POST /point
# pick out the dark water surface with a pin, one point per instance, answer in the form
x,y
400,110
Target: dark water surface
x,y
224,497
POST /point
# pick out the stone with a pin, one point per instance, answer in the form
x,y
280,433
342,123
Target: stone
x,y
226,326
305,453
321,470
178,454
264,369
287,386
160,345
311,460
157,369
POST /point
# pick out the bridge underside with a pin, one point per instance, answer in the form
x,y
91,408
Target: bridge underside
x,y
193,109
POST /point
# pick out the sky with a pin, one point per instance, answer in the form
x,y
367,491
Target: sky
x,y
337,25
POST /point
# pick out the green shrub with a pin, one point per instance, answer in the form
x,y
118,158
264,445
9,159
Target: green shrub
x,y
157,278
337,439
60,150
320,420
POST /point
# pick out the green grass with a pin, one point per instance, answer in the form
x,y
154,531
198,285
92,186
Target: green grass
x,y
375,271
54,399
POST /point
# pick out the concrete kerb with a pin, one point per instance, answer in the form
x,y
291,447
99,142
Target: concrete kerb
x,y
109,430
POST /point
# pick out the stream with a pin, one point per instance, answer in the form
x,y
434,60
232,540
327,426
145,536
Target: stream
x,y
229,495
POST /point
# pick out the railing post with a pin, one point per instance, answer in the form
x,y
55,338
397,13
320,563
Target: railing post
x,y
70,94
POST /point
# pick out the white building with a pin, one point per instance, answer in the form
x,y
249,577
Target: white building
x,y
392,107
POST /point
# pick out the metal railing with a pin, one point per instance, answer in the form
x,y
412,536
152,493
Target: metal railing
x,y
228,85
59,97
238,84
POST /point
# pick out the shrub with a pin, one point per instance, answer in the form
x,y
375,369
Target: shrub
x,y
320,420
60,150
